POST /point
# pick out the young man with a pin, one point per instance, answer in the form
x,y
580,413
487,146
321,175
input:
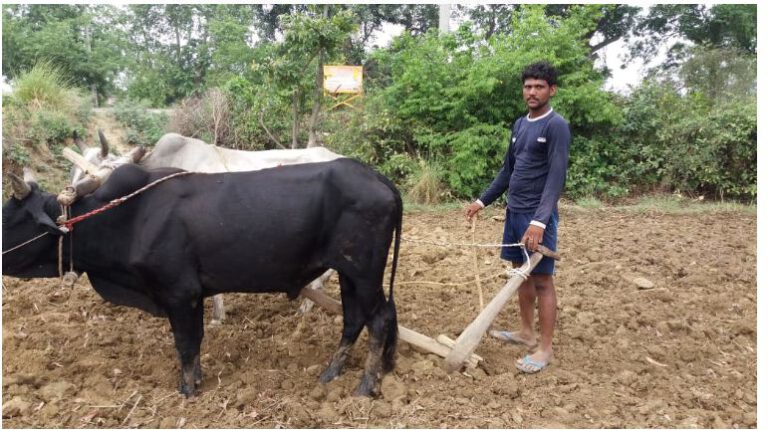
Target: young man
x,y
534,173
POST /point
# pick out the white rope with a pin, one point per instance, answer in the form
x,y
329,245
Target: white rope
x,y
476,245
520,271
25,243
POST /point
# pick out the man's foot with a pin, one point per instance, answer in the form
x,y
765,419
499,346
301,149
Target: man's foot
x,y
514,337
533,363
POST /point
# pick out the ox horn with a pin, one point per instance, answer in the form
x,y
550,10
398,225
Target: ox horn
x,y
136,154
29,176
79,142
104,144
21,189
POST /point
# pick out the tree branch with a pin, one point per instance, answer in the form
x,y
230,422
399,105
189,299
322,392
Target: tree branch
x,y
261,121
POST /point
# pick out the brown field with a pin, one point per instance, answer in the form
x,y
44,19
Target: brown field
x,y
681,354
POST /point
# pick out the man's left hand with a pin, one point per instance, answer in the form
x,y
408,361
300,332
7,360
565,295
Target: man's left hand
x,y
533,237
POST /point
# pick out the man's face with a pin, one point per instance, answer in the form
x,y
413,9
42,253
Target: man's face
x,y
536,93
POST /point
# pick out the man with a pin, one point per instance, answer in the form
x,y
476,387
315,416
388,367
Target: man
x,y
534,173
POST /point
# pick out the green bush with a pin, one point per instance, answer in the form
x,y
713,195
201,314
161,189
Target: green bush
x,y
43,86
143,127
478,154
42,110
51,127
689,143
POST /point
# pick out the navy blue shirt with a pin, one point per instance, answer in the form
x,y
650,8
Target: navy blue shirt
x,y
534,167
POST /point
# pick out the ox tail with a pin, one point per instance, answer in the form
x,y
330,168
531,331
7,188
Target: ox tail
x,y
390,339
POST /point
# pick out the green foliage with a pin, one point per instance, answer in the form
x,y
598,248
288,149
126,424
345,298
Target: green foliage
x,y
42,111
691,143
143,126
17,153
43,85
478,153
454,96
79,40
50,127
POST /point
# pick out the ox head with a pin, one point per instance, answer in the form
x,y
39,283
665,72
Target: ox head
x,y
28,214
100,163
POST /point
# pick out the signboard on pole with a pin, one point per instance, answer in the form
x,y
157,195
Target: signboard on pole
x,y
343,79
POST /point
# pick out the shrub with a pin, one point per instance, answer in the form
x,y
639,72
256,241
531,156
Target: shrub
x,y
143,125
42,110
426,184
207,118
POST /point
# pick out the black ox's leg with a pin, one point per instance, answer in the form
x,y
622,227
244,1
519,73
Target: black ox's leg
x,y
187,326
382,335
354,320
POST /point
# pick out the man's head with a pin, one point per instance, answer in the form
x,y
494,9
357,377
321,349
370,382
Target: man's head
x,y
539,84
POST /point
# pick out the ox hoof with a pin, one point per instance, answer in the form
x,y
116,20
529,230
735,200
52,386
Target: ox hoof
x,y
365,390
368,387
215,323
186,390
329,375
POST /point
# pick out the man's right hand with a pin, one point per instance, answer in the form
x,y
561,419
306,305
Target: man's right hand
x,y
472,210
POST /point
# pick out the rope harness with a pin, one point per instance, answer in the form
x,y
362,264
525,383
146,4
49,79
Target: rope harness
x,y
515,271
67,226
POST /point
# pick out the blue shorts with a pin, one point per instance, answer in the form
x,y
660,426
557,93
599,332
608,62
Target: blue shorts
x,y
514,228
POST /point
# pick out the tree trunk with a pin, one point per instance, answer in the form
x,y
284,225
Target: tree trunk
x,y
315,118
94,92
295,113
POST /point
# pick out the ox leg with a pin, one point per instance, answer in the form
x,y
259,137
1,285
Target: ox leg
x,y
382,338
219,313
187,326
354,320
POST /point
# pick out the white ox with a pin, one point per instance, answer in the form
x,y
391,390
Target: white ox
x,y
175,150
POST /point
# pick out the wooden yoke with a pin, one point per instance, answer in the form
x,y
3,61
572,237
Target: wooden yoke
x,y
470,338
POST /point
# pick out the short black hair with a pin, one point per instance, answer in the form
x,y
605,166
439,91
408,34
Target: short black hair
x,y
540,70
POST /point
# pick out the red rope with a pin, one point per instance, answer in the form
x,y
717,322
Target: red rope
x,y
70,222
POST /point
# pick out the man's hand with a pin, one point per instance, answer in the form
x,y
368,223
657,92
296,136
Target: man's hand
x,y
532,237
472,210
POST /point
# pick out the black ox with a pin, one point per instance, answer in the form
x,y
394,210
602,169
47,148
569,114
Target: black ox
x,y
190,237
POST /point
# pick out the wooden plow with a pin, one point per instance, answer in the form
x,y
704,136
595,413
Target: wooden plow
x,y
459,353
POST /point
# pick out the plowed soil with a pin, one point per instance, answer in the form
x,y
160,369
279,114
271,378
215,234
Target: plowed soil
x,y
680,354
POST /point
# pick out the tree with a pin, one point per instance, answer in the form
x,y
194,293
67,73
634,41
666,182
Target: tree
x,y
310,40
720,26
78,39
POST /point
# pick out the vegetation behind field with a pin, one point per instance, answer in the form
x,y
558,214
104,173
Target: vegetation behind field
x,y
437,107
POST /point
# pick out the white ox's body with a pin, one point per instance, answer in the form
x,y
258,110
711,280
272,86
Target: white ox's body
x,y
194,155
175,150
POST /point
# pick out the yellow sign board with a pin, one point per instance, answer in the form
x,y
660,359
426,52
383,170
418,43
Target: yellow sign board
x,y
343,79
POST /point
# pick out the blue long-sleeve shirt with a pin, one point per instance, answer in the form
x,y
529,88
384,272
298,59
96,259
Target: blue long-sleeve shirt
x,y
535,166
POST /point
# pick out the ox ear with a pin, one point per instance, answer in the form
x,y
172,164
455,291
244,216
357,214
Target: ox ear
x,y
21,189
104,144
79,142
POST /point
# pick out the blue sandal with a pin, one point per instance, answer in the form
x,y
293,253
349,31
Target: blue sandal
x,y
508,336
529,365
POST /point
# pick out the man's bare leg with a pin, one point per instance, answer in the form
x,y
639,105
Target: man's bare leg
x,y
544,287
526,297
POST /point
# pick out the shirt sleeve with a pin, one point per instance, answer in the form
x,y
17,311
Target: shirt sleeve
x,y
501,182
559,139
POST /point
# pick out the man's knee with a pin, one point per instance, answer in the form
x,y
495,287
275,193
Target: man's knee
x,y
542,283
